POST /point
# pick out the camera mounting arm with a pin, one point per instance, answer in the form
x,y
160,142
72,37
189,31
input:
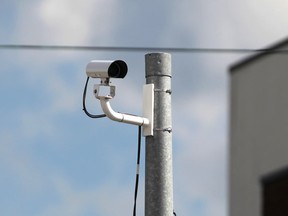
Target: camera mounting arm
x,y
105,93
121,117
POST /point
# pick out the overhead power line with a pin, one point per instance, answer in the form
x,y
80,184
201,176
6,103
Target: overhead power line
x,y
139,49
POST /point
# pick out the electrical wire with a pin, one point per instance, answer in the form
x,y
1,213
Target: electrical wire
x,y
140,49
137,170
84,105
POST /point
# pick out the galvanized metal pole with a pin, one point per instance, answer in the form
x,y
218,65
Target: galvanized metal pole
x,y
158,162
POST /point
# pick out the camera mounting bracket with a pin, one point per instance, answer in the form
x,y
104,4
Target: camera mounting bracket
x,y
106,92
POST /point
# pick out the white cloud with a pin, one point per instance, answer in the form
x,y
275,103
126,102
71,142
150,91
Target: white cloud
x,y
66,22
199,130
258,23
62,22
231,24
31,177
105,199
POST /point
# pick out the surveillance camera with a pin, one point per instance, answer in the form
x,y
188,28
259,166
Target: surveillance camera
x,y
106,69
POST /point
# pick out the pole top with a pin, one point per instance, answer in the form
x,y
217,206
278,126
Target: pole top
x,y
158,64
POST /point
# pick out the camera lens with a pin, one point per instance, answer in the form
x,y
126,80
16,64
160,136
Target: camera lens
x,y
118,69
114,70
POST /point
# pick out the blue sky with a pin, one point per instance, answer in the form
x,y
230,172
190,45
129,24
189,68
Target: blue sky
x,y
54,160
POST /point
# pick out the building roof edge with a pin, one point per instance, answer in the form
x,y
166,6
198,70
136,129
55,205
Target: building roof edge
x,y
249,59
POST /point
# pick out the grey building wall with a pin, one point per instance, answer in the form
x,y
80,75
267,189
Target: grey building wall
x,y
258,127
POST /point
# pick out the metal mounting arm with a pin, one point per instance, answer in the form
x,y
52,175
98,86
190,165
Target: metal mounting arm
x,y
105,93
121,117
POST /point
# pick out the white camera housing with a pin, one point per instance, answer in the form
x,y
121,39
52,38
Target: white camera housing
x,y
106,69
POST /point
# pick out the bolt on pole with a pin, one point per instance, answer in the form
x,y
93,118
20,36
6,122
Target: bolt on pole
x,y
158,161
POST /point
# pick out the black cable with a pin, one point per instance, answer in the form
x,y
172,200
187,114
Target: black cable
x,y
141,49
138,170
84,106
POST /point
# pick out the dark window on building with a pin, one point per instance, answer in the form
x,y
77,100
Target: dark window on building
x,y
275,194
